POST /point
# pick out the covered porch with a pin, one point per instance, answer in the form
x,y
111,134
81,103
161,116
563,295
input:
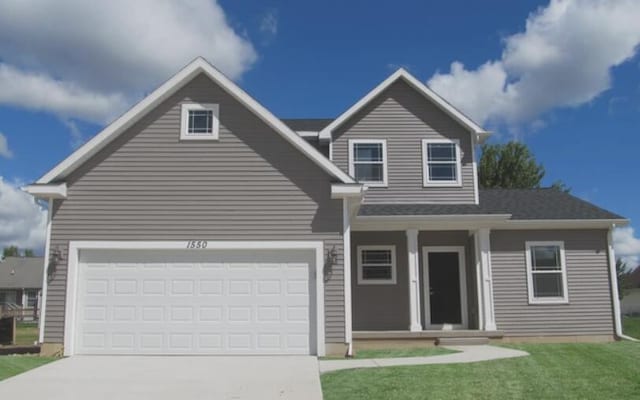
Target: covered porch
x,y
421,284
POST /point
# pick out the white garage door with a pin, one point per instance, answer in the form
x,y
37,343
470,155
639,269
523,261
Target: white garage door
x,y
195,302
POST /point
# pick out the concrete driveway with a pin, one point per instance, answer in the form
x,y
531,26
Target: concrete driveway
x,y
171,377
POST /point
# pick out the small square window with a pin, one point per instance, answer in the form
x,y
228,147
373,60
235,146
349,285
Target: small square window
x,y
199,122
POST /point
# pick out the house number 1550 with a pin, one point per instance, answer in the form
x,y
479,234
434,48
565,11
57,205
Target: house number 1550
x,y
197,244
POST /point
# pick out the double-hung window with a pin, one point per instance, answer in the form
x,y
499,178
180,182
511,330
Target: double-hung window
x,y
368,161
547,272
199,121
376,265
441,162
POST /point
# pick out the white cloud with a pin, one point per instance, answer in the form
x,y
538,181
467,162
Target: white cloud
x,y
627,246
269,23
22,221
4,147
88,60
562,59
37,91
77,138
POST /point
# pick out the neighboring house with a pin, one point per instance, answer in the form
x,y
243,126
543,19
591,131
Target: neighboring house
x,y
200,223
631,300
21,285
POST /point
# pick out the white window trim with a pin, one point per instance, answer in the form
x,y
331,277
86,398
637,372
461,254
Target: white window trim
x,y
184,121
352,143
362,281
565,290
426,180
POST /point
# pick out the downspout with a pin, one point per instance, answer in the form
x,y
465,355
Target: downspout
x,y
614,288
45,274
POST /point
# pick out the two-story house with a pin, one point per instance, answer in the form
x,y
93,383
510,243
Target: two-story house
x,y
200,223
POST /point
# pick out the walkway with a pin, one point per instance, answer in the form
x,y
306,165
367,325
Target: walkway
x,y
467,354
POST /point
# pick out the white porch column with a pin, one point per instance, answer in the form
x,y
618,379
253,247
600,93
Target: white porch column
x,y
483,247
414,280
346,252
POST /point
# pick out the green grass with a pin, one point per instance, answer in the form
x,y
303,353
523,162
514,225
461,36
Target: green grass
x,y
553,371
631,326
26,333
394,353
14,365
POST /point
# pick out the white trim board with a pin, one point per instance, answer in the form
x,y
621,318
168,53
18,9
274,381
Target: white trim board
x,y
73,271
462,272
401,73
45,274
185,75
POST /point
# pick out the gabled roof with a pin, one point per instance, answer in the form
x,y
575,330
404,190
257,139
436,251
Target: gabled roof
x,y
520,204
419,87
21,272
196,67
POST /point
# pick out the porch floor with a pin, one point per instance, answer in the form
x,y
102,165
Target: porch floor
x,y
434,334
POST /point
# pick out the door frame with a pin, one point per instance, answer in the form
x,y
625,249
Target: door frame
x,y
73,263
462,272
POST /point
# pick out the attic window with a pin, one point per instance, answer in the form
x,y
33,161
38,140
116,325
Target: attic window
x,y
199,121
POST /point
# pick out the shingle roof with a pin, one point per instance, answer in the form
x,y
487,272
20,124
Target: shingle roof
x,y
21,273
307,124
522,204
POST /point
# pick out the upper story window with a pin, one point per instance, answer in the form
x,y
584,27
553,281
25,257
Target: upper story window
x,y
376,265
199,121
547,273
368,161
441,162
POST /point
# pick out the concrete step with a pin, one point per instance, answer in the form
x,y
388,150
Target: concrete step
x,y
461,341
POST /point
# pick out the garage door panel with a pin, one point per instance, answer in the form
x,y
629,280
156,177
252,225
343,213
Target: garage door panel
x,y
154,303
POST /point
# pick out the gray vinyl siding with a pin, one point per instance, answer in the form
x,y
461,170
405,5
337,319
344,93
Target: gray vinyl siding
x,y
249,185
386,307
404,117
380,307
589,311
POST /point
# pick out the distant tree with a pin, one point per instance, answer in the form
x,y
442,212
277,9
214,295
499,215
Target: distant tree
x,y
561,186
511,166
10,251
28,253
624,284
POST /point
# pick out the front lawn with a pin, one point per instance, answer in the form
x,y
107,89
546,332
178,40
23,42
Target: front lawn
x,y
631,326
553,371
14,365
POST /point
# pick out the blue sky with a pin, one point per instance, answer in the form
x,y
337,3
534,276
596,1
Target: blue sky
x,y
314,59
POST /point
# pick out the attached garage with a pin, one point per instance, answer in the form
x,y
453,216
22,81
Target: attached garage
x,y
166,298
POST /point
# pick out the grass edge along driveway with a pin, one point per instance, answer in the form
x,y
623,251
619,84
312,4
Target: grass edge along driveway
x,y
14,365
